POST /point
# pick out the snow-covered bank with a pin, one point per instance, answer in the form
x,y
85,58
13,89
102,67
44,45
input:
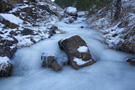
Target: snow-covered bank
x,y
39,23
118,34
24,23
109,73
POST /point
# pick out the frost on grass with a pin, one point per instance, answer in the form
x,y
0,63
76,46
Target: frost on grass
x,y
82,49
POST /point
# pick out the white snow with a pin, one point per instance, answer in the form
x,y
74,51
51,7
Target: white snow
x,y
19,7
23,42
4,60
12,18
82,49
82,13
80,61
71,10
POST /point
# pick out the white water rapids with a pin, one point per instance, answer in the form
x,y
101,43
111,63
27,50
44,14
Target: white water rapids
x,y
110,72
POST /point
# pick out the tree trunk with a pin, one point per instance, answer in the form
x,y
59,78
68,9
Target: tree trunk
x,y
118,9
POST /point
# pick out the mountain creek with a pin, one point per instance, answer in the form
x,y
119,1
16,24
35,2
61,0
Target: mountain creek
x,y
110,72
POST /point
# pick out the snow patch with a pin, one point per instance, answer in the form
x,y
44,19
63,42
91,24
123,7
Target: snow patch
x,y
19,7
82,13
82,49
4,60
71,10
80,61
12,18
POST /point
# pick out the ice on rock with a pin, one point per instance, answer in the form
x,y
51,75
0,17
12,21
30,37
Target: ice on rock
x,y
83,49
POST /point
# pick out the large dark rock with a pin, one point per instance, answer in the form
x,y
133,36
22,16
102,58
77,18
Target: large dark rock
x,y
50,61
71,47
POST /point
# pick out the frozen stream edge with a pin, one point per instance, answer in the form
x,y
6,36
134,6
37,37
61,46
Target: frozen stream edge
x,y
110,72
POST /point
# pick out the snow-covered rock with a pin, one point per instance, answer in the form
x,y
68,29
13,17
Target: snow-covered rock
x,y
77,51
7,21
12,18
5,67
70,11
50,61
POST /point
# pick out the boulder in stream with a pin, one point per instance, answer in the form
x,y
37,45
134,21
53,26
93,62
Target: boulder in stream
x,y
50,61
72,11
71,19
77,51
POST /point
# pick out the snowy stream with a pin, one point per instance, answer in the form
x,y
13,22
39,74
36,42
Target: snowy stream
x,y
110,72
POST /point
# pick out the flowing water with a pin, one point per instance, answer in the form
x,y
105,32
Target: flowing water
x,y
110,72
